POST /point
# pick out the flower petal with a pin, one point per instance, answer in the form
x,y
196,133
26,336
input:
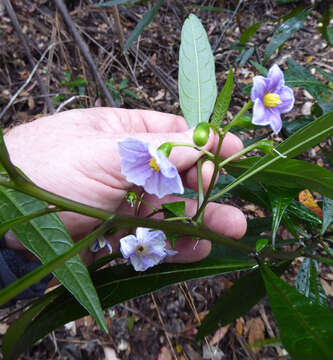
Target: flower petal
x,y
128,246
155,239
171,252
142,233
259,87
275,120
131,149
136,173
276,79
138,263
287,99
260,114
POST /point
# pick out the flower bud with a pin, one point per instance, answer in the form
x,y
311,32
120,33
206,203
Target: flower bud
x,y
131,197
165,148
266,146
201,134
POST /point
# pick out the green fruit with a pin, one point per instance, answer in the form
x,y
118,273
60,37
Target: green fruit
x,y
201,134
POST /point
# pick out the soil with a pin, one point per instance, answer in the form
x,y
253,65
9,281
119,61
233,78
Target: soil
x,y
164,324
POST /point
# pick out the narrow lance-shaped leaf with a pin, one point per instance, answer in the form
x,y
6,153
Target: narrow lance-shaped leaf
x,y
280,199
284,32
308,284
223,100
115,285
293,174
196,77
306,329
232,304
142,24
47,237
308,136
327,213
249,32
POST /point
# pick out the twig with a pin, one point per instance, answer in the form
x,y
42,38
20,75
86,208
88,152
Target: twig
x,y
66,102
13,98
83,47
217,43
32,61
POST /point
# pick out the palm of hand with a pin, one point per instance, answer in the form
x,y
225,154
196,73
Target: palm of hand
x,y
75,154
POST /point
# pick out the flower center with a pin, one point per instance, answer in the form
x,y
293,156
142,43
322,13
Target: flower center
x,y
141,250
153,165
271,100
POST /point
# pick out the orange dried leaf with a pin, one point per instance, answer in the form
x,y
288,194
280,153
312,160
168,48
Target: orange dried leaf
x,y
305,197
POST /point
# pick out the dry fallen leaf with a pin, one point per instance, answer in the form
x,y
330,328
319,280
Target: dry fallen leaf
x,y
305,197
256,332
239,326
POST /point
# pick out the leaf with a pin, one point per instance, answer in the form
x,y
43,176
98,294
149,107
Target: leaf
x,y
232,303
115,285
305,138
47,237
284,32
249,32
263,71
293,174
117,2
298,76
176,208
327,214
329,31
305,329
298,210
293,126
308,284
280,199
142,24
306,198
223,100
245,56
196,77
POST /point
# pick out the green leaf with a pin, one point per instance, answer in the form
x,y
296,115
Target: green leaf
x,y
308,284
329,31
249,32
263,71
142,24
293,174
298,76
245,55
280,199
327,214
305,329
47,237
261,244
196,77
232,303
176,208
223,100
293,126
298,210
304,139
284,32
115,285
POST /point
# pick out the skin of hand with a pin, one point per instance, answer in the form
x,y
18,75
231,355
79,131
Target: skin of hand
x,y
75,154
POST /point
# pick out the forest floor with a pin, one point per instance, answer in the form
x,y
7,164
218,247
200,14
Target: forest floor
x,y
163,325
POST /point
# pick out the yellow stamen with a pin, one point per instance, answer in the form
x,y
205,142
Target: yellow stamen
x,y
271,100
153,165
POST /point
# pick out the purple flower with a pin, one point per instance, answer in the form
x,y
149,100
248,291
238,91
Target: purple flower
x,y
144,165
271,98
146,249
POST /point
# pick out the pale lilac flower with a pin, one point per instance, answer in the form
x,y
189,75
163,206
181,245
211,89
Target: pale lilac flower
x,y
271,98
146,249
144,165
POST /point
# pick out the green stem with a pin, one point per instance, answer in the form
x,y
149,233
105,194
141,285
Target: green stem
x,y
328,251
234,121
201,194
7,225
36,275
200,213
209,154
240,153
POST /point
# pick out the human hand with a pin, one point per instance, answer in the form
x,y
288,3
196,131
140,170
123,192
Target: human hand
x,y
75,154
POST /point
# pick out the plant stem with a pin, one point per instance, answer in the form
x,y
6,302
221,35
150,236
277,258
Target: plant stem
x,y
209,154
234,121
